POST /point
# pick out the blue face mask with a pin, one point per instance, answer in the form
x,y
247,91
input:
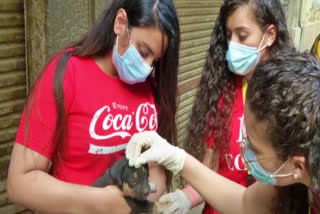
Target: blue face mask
x,y
131,67
241,58
256,169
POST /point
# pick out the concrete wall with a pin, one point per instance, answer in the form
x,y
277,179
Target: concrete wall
x,y
12,87
303,21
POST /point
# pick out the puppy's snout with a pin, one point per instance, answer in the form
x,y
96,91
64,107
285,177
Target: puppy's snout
x,y
146,190
153,187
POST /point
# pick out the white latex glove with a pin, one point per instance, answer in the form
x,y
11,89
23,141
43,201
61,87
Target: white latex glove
x,y
175,202
159,150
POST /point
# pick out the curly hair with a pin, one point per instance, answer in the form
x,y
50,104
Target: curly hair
x,y
284,93
219,84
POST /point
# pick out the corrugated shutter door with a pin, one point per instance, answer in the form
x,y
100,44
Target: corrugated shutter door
x,y
196,19
12,86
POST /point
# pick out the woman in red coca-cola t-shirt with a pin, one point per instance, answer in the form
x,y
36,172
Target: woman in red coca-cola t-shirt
x,y
119,79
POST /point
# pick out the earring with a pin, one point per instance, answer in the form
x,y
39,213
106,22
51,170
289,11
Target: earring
x,y
295,176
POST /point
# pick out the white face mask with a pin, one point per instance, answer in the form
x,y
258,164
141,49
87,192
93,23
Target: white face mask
x,y
131,67
241,58
256,170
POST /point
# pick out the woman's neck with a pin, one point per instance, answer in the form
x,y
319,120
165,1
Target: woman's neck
x,y
105,63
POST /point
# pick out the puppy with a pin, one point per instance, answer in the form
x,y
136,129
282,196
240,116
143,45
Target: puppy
x,y
133,182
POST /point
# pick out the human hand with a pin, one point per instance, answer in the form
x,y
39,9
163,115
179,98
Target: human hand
x,y
159,150
176,202
111,200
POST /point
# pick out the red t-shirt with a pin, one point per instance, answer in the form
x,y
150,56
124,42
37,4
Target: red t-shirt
x,y
102,114
230,164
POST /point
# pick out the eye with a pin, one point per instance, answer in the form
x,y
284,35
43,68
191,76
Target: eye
x,y
133,181
143,53
242,36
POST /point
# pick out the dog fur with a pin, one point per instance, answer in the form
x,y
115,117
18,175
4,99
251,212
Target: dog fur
x,y
133,182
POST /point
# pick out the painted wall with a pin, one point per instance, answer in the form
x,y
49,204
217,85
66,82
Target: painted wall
x,y
303,22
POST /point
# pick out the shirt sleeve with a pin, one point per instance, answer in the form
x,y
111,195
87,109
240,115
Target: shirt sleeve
x,y
36,127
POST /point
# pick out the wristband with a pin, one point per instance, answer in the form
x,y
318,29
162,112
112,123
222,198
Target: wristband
x,y
193,194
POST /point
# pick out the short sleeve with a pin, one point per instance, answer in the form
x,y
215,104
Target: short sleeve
x,y
36,127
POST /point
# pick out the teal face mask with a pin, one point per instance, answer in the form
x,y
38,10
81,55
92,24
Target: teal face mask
x,y
256,169
131,67
241,58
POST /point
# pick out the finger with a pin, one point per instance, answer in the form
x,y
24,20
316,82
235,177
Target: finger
x,y
145,157
165,198
129,148
160,208
133,149
174,208
135,145
137,148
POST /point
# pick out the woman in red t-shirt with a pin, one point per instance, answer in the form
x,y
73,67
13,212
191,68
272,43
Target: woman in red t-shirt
x,y
281,144
88,102
245,34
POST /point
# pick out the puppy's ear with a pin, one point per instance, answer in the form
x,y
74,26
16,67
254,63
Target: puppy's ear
x,y
147,168
117,171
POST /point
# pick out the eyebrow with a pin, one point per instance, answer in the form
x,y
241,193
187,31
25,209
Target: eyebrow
x,y
242,28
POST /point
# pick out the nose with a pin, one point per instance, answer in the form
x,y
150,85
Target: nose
x,y
149,61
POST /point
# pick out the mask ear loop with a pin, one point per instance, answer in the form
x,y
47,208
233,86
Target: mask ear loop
x,y
261,48
128,33
274,175
117,39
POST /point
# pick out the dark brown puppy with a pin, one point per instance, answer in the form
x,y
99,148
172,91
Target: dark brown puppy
x,y
132,181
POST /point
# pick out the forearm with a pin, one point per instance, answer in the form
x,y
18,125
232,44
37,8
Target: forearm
x,y
158,177
193,195
211,160
41,192
218,191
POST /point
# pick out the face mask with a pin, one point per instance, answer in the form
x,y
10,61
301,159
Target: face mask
x,y
131,67
255,168
242,58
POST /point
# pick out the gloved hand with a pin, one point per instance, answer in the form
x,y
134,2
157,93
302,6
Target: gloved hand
x,y
159,150
175,202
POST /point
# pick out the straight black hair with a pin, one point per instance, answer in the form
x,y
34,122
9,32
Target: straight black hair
x,y
100,40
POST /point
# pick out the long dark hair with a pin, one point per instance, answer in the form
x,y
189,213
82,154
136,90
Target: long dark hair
x,y
284,93
99,41
218,82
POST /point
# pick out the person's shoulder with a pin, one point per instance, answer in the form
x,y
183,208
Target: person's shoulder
x,y
82,61
259,198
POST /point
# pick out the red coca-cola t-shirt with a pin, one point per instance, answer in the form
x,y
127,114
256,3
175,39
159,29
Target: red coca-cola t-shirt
x,y
230,164
102,114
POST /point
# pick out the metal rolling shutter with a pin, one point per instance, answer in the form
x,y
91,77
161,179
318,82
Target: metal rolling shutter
x,y
196,20
12,87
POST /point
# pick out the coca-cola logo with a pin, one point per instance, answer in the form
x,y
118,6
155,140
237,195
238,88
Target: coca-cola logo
x,y
235,161
144,118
